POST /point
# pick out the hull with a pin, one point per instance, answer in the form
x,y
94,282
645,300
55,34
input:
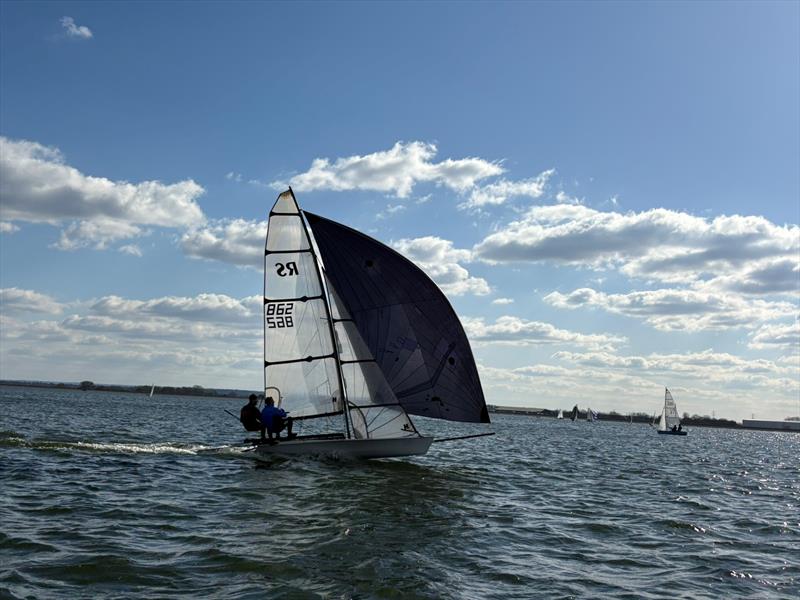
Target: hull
x,y
360,449
673,432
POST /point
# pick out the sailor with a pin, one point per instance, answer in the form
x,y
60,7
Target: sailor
x,y
674,428
251,417
680,427
275,420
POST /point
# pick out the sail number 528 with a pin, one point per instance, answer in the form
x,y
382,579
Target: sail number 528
x,y
279,315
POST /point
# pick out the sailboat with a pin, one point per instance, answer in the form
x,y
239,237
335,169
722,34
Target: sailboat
x,y
670,423
574,413
591,415
356,339
560,415
152,389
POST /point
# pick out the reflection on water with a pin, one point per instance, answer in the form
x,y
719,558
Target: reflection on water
x,y
120,495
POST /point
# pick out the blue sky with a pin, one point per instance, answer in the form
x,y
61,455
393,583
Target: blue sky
x,y
609,193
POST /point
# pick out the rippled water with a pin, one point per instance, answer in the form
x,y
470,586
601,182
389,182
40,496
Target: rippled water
x,y
119,495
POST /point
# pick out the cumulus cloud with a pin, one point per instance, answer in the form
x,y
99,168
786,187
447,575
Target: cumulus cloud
x,y
515,331
38,186
238,241
394,171
700,381
206,339
8,227
438,258
503,301
656,244
16,301
782,336
131,249
217,308
73,31
500,191
675,309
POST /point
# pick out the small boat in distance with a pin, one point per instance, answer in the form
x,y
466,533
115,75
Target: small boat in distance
x,y
670,423
356,339
591,415
152,389
560,415
574,414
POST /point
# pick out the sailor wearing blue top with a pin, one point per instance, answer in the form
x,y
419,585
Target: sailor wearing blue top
x,y
275,420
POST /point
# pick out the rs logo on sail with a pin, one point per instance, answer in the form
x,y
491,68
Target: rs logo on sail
x,y
289,268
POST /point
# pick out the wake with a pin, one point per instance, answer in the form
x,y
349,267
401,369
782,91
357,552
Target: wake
x,y
10,439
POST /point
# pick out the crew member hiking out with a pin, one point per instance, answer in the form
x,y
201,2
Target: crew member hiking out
x,y
275,420
251,417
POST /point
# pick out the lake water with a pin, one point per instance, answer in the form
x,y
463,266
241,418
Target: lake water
x,y
109,495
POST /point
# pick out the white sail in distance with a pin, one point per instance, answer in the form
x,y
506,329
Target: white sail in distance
x,y
670,414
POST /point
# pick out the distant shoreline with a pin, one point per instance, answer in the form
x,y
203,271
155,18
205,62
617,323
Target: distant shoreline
x,y
88,386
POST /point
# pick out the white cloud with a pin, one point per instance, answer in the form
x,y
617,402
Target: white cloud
x,y
782,336
232,176
131,249
503,301
206,339
438,258
516,331
37,186
674,309
500,191
564,198
656,244
701,382
236,241
206,308
16,301
393,171
8,227
390,209
71,30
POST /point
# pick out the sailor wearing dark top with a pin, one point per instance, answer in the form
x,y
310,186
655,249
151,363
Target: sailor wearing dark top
x,y
251,417
275,420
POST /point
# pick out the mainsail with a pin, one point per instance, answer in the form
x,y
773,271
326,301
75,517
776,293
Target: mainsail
x,y
669,418
300,369
574,414
406,323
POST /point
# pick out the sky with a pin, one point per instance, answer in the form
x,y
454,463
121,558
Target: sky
x,y
608,193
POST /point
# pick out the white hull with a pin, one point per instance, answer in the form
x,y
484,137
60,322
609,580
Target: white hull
x,y
377,448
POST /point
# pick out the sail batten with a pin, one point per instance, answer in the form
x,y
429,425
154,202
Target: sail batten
x,y
405,321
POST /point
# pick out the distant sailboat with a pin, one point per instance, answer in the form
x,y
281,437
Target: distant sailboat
x,y
560,415
591,415
356,339
152,389
670,423
574,414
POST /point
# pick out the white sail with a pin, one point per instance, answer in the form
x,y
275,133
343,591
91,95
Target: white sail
x,y
152,389
560,415
373,408
299,354
662,423
670,414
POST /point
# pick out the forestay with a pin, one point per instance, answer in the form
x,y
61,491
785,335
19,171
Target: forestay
x,y
299,356
406,323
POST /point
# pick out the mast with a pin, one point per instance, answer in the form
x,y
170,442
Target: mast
x,y
326,303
